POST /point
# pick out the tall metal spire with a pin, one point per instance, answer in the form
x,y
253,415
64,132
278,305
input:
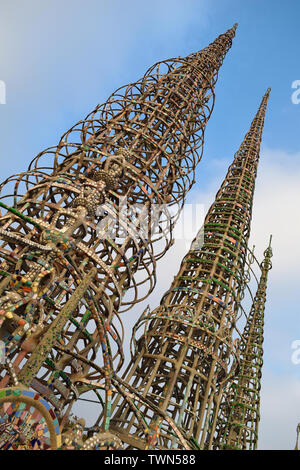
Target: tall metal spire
x,y
65,266
183,360
237,426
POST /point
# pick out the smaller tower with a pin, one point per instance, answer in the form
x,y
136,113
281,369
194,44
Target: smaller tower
x,y
238,427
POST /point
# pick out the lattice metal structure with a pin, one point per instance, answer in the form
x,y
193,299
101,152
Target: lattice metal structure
x,y
187,354
237,426
297,436
73,236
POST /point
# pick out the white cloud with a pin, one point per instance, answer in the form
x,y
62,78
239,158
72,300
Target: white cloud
x,y
276,211
280,411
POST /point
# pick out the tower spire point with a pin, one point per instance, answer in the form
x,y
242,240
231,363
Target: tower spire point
x,y
270,241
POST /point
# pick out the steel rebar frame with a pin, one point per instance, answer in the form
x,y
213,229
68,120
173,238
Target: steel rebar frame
x,y
187,354
63,274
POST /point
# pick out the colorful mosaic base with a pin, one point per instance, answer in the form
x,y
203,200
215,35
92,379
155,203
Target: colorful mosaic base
x,y
27,421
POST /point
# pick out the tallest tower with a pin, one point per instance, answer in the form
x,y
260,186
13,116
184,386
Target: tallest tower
x,y
187,353
64,266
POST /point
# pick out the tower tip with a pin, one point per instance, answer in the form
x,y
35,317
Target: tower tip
x,y
270,241
268,253
235,26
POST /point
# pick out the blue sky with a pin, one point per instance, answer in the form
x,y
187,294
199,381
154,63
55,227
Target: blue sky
x,y
59,59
